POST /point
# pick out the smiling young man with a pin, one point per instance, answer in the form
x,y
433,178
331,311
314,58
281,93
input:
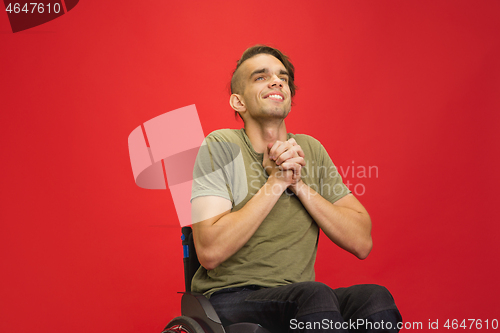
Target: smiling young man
x,y
260,196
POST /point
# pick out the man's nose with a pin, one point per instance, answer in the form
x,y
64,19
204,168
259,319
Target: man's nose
x,y
276,82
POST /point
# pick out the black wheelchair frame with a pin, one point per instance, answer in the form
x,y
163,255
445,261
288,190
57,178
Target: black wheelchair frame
x,y
198,315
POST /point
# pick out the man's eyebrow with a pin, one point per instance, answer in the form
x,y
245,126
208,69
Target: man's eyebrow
x,y
259,71
266,70
284,72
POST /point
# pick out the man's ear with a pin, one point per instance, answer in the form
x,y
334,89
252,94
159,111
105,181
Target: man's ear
x,y
237,103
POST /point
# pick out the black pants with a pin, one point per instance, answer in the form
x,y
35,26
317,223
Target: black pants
x,y
310,307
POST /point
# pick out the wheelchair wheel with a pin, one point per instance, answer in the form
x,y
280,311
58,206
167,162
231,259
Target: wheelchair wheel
x,y
183,324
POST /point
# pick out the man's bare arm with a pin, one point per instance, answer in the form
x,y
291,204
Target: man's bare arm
x,y
218,237
346,222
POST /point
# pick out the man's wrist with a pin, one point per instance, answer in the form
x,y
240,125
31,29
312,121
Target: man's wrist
x,y
276,185
297,187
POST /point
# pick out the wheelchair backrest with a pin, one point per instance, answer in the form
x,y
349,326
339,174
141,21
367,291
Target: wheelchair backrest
x,y
191,263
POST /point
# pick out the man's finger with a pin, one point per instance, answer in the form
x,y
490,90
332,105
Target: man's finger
x,y
272,151
299,151
299,160
296,147
289,154
290,166
281,149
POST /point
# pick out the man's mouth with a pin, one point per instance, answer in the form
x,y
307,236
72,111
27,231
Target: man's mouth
x,y
275,97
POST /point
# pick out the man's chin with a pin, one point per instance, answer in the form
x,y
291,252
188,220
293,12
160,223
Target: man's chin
x,y
278,112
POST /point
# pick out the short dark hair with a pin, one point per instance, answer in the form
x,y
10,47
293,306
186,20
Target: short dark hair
x,y
264,49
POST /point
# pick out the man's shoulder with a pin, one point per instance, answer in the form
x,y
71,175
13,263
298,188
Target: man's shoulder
x,y
312,147
304,139
225,135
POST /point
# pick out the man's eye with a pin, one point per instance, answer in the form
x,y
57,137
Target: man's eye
x,y
284,79
259,78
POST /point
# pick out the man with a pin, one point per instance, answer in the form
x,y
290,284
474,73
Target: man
x,y
259,197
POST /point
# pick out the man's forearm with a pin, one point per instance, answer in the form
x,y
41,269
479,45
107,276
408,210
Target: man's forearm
x,y
219,239
346,222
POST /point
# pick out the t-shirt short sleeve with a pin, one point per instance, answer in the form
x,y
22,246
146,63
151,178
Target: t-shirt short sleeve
x,y
216,170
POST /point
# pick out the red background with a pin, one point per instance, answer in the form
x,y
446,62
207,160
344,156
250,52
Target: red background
x,y
411,87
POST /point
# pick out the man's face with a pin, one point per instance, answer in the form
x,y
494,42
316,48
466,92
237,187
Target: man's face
x,y
266,93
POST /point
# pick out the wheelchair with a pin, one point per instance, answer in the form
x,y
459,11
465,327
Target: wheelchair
x,y
198,315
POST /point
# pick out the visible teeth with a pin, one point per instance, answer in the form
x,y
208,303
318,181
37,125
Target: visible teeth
x,y
276,96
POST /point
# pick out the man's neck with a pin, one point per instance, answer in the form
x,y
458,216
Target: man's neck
x,y
261,135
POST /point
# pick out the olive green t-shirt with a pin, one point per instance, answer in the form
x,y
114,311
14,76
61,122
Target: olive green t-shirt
x,y
283,249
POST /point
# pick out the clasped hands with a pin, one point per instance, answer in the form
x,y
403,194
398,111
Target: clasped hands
x,y
284,161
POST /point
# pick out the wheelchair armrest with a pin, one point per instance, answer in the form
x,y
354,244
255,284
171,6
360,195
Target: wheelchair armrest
x,y
199,307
